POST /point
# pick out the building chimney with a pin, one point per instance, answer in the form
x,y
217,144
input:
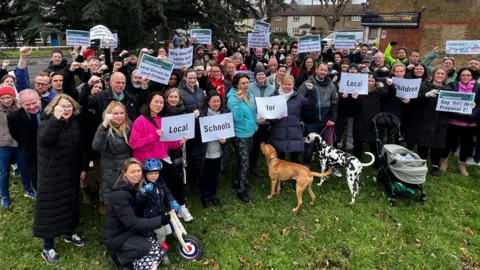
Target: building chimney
x,y
293,3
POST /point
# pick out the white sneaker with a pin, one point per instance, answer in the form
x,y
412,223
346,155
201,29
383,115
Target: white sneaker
x,y
185,215
471,162
336,172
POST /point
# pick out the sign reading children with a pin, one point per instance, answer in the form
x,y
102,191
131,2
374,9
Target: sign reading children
x,y
216,127
407,88
354,83
449,101
158,70
271,107
181,57
174,128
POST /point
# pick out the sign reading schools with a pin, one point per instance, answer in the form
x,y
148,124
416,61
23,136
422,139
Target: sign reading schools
x,y
176,127
345,42
78,37
354,83
455,102
407,88
113,42
181,57
158,70
463,47
217,127
258,40
261,27
271,107
202,36
309,44
101,32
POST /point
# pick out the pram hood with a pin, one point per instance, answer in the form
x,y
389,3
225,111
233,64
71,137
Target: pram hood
x,y
409,171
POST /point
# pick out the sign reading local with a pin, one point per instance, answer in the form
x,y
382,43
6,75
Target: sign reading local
x,y
310,43
181,57
158,70
78,38
354,83
258,40
271,107
449,101
463,47
202,36
174,128
407,88
216,127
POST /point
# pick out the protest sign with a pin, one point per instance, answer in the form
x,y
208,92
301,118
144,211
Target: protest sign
x,y
258,40
407,88
113,42
463,47
249,73
449,101
101,32
354,83
202,36
261,27
174,128
181,57
78,37
309,44
345,42
271,107
216,127
158,70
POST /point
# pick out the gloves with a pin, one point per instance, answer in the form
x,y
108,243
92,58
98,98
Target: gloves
x,y
174,205
147,188
432,93
393,43
165,219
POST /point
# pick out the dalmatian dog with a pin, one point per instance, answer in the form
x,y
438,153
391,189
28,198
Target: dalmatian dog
x,y
332,157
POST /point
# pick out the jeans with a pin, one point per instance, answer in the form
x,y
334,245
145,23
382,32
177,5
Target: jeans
x,y
6,154
307,129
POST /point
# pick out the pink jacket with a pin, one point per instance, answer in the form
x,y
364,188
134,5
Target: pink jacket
x,y
145,142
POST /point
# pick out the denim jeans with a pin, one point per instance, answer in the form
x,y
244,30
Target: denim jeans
x,y
307,129
6,154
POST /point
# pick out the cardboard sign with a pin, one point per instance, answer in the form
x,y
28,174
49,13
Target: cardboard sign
x,y
345,42
463,47
113,43
176,127
261,27
310,43
202,36
354,83
271,107
258,40
101,32
407,88
78,37
181,57
449,101
217,127
158,70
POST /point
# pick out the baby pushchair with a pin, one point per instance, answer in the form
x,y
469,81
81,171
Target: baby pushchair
x,y
401,171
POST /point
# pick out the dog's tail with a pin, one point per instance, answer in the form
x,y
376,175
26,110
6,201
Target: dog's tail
x,y
327,173
371,162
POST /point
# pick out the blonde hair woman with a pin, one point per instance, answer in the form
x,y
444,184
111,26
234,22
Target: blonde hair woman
x,y
61,169
111,140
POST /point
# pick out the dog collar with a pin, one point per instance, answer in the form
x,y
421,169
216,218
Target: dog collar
x,y
273,158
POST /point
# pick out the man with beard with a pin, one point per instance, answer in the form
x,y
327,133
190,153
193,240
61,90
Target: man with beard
x,y
474,64
252,60
200,56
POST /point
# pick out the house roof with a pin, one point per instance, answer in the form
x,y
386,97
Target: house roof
x,y
316,10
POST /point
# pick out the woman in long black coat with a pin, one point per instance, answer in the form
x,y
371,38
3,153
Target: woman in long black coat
x,y
62,165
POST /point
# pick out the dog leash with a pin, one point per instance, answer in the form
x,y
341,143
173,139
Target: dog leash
x,y
331,135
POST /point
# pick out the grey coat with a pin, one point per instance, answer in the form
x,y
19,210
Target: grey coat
x,y
5,137
114,150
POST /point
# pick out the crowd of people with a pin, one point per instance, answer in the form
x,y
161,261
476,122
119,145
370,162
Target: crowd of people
x,y
89,108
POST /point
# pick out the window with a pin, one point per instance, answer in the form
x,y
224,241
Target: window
x,y
296,31
296,19
276,29
277,18
356,18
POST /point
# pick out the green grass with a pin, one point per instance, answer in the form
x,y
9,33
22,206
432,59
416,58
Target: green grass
x,y
331,234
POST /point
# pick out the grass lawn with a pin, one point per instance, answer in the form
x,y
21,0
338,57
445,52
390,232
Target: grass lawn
x,y
331,234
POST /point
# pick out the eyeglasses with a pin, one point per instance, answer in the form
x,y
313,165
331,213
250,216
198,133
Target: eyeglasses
x,y
67,107
41,84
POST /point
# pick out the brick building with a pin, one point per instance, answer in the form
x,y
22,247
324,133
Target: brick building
x,y
438,21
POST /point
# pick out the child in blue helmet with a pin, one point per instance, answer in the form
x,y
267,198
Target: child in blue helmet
x,y
153,196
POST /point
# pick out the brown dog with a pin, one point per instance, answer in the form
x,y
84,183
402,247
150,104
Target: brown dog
x,y
280,170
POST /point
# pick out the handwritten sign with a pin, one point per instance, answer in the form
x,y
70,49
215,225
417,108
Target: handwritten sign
x,y
345,42
181,57
449,101
101,32
217,127
258,40
261,27
202,36
353,83
309,44
113,42
463,47
407,88
158,70
271,107
78,37
176,127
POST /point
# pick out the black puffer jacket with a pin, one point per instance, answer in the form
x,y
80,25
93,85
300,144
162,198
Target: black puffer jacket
x,y
60,68
192,100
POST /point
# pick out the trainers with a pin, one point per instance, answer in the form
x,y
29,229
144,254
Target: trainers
x,y
244,196
165,260
75,239
435,172
29,194
336,172
185,214
5,202
472,162
50,256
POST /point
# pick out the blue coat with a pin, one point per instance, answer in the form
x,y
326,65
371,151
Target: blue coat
x,y
267,91
286,133
244,115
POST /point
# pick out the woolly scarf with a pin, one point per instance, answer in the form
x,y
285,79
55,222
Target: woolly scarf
x,y
174,110
218,84
287,95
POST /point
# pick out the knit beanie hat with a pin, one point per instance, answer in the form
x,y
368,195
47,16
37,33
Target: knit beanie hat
x,y
404,49
7,90
259,69
87,53
353,65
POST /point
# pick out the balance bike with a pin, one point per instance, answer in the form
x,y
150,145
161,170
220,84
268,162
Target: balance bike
x,y
188,247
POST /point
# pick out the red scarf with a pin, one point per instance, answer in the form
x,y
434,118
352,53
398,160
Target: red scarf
x,y
218,84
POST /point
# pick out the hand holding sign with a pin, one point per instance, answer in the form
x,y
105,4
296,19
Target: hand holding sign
x,y
355,95
432,93
261,120
222,140
159,132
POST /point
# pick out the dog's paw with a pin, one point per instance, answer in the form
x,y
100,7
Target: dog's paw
x,y
295,210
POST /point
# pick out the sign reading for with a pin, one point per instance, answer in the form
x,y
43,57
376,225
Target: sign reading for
x,y
271,107
158,70
181,57
217,127
407,88
202,36
176,127
78,37
354,83
309,44
455,102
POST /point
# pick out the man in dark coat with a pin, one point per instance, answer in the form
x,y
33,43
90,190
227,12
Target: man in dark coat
x,y
251,61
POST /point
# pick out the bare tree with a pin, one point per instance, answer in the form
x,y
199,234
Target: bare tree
x,y
332,10
264,9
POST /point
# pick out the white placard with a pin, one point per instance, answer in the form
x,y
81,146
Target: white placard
x,y
354,83
181,57
310,43
258,40
407,88
202,36
101,32
158,70
261,27
174,128
217,127
113,43
463,47
271,107
449,101
345,41
78,37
